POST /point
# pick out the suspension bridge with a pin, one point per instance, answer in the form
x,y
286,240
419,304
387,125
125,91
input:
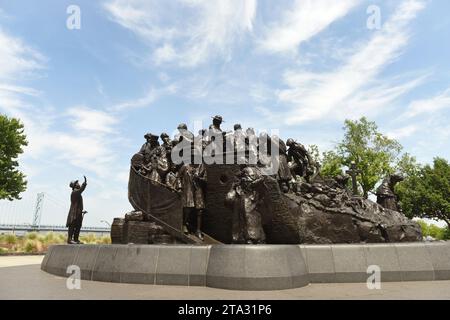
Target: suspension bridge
x,y
27,214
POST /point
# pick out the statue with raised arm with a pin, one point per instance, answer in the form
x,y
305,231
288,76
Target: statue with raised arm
x,y
76,213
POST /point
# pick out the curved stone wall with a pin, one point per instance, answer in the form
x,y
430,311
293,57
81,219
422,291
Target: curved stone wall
x,y
246,267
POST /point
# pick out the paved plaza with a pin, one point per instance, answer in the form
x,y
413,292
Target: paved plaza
x,y
21,278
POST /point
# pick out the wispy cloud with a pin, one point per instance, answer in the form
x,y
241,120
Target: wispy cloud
x,y
17,60
304,20
190,35
403,132
429,105
314,96
86,119
144,101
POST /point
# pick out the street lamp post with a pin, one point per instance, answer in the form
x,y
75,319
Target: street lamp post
x,y
107,223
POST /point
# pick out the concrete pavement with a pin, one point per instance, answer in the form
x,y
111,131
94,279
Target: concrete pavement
x,y
21,278
12,261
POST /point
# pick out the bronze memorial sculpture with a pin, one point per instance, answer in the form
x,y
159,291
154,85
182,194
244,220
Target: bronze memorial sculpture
x,y
76,213
233,207
240,187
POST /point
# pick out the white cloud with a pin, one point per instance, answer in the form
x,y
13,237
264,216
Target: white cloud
x,y
17,60
85,119
315,96
188,32
403,132
144,101
163,54
301,22
429,105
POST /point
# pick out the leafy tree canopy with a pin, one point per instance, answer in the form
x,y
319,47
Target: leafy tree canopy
x,y
373,153
12,140
426,192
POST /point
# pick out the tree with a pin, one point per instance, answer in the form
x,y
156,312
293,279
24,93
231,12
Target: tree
x,y
331,164
373,153
426,193
407,166
12,140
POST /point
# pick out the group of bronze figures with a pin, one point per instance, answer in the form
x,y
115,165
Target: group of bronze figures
x,y
156,161
295,166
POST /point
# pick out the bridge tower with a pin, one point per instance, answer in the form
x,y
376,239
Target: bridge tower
x,y
38,210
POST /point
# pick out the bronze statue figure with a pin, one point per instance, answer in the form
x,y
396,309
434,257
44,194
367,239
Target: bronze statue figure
x,y
300,160
183,134
284,172
217,121
149,146
243,199
193,181
386,196
172,178
76,213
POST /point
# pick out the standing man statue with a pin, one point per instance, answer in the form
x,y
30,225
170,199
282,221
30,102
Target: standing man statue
x,y
76,213
244,199
193,182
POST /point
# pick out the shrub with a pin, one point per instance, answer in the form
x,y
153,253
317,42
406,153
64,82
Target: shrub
x,y
32,236
61,238
11,239
446,234
30,246
434,231
89,238
49,237
105,240
424,226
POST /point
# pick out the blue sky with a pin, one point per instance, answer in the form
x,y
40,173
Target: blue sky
x,y
88,96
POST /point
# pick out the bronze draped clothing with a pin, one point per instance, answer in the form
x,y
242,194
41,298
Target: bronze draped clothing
x,y
386,197
172,181
243,199
193,194
76,207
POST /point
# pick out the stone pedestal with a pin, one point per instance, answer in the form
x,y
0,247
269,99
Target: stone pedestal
x,y
251,267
